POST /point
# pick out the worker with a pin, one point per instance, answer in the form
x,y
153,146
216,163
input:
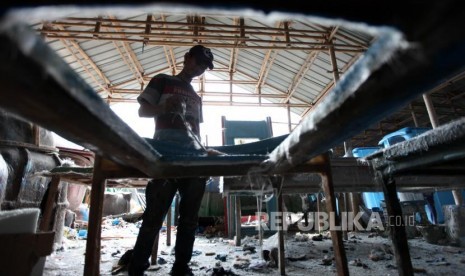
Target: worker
x,y
177,111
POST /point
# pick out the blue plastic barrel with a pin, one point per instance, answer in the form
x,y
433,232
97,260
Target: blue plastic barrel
x,y
371,199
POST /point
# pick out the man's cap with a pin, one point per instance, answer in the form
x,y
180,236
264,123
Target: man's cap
x,y
202,53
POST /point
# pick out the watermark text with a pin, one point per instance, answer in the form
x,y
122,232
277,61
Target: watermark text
x,y
349,221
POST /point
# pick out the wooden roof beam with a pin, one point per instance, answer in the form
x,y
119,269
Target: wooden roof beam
x,y
169,54
136,24
331,84
266,44
220,103
133,64
300,75
267,63
235,51
87,58
148,26
90,74
209,93
279,92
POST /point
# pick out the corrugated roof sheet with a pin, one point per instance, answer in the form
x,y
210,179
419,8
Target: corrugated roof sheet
x,y
282,61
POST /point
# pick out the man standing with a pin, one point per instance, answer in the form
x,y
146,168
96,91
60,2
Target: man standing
x,y
177,111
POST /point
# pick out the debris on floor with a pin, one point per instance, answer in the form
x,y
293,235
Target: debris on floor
x,y
215,255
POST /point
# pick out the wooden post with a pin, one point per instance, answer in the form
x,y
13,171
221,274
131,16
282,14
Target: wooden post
x,y
260,228
238,220
36,134
232,216
397,232
355,204
226,216
342,204
176,209
318,211
168,226
336,236
154,256
92,260
458,198
51,195
281,261
433,117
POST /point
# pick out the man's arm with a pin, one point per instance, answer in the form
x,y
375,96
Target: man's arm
x,y
149,110
173,104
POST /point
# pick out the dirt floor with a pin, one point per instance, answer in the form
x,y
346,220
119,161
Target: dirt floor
x,y
306,254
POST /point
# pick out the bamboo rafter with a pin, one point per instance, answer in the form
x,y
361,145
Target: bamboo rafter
x,y
166,33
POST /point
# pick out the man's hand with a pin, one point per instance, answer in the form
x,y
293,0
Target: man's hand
x,y
175,104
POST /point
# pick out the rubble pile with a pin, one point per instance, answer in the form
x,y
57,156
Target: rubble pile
x,y
367,253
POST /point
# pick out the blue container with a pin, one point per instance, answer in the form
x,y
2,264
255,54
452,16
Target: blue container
x,y
372,199
84,212
401,135
364,151
439,198
82,233
442,198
